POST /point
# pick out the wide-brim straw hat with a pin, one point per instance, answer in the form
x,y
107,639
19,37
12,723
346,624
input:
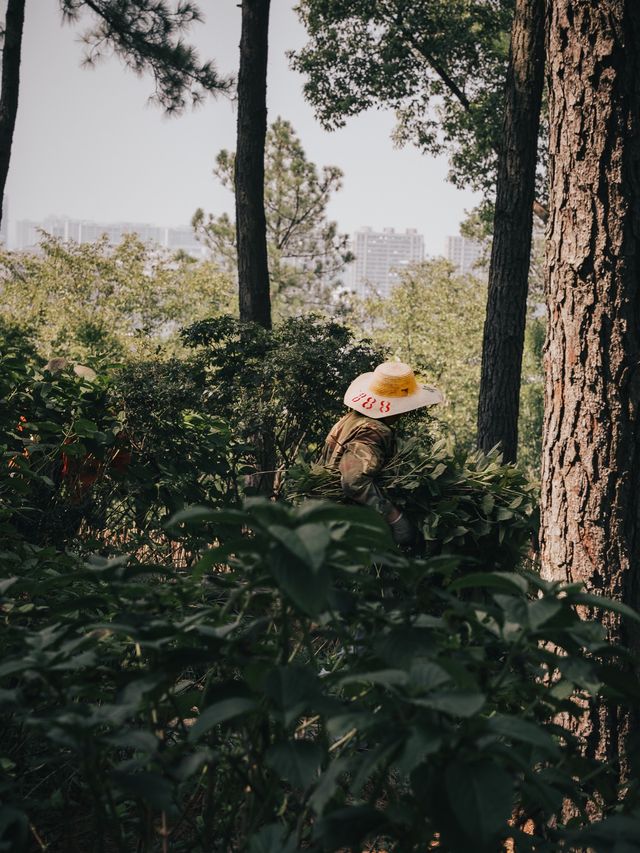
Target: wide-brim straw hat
x,y
391,389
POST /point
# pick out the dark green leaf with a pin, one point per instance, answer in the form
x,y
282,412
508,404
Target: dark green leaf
x,y
273,838
507,581
296,761
480,795
220,712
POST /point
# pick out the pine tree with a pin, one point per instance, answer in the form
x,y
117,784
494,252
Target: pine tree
x,y
11,54
253,269
590,503
503,339
306,253
446,69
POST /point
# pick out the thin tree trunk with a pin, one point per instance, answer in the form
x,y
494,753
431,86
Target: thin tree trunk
x,y
503,340
12,49
251,226
590,501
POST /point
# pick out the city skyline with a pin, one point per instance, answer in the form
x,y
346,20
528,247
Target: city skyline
x,y
380,255
176,237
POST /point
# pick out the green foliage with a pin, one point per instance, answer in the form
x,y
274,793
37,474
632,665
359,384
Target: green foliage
x,y
306,253
433,319
97,463
469,505
147,35
46,423
255,676
95,303
440,66
532,397
277,698
287,382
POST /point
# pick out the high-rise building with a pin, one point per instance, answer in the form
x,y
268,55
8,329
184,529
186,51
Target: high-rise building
x,y
381,256
84,231
464,254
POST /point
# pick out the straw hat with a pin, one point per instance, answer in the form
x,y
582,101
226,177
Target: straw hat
x,y
390,390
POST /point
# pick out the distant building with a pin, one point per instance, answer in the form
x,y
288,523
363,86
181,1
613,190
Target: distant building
x,y
464,254
381,256
84,231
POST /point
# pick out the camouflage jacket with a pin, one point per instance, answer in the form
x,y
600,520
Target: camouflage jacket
x,y
359,447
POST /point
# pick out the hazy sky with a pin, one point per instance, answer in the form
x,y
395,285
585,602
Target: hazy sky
x,y
88,145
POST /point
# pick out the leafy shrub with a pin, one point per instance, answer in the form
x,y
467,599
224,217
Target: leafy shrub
x,y
48,425
286,384
303,687
469,504
182,453
97,462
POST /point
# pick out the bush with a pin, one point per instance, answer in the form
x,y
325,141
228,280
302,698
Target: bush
x,y
101,462
286,384
468,504
303,687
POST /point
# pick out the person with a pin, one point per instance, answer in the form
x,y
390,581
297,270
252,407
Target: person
x,y
363,441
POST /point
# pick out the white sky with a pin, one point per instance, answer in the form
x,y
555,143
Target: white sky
x,y
88,145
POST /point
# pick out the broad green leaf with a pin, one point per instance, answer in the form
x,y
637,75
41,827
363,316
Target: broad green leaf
x,y
421,743
347,827
307,543
273,838
503,514
197,514
605,603
386,677
307,589
524,731
401,646
463,703
507,581
220,712
296,761
192,764
327,784
427,675
488,502
373,760
6,583
149,787
291,689
480,795
340,724
618,833
541,610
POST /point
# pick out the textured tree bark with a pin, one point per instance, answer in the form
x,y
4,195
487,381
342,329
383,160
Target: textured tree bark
x,y
11,53
503,339
590,504
251,226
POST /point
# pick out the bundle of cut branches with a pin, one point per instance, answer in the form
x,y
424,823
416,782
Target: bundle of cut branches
x,y
470,503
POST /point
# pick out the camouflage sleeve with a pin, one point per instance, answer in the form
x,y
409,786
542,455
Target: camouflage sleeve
x,y
359,466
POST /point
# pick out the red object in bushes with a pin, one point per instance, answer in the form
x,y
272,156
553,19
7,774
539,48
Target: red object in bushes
x,y
80,474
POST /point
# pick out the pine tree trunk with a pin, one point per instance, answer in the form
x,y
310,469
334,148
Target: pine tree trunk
x,y
590,501
504,326
11,52
251,226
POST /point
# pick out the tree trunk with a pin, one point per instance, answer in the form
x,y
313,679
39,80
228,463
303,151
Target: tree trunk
x,y
590,501
251,226
14,23
503,339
